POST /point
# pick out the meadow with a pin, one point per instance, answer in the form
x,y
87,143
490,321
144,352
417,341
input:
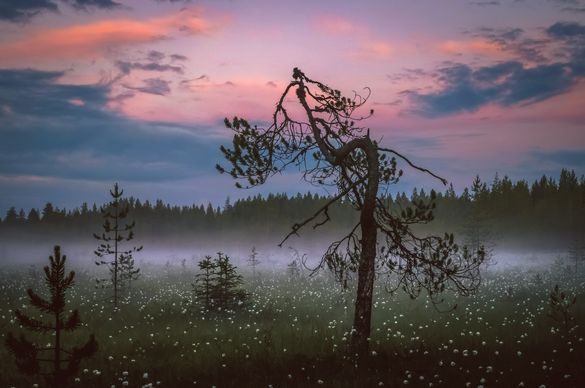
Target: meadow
x,y
294,332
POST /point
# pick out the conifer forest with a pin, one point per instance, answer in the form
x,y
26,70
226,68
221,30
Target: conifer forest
x,y
292,194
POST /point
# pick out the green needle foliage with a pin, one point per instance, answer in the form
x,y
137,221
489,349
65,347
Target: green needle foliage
x,y
227,293
477,230
128,270
342,268
27,353
203,286
561,308
109,252
217,286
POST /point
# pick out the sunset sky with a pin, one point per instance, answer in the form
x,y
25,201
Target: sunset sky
x,y
98,91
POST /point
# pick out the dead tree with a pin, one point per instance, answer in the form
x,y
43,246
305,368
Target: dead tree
x,y
326,143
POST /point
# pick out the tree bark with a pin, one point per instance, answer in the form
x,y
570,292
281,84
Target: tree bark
x,y
362,320
57,378
363,302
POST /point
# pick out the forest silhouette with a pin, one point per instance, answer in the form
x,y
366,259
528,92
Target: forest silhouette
x,y
545,214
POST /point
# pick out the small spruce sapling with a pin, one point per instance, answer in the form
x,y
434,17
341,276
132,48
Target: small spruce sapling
x,y
27,352
227,292
560,309
217,286
204,285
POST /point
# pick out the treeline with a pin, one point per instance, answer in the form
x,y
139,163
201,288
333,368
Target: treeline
x,y
269,214
547,211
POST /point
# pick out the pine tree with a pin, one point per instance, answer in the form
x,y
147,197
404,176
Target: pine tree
x,y
11,216
27,352
226,292
325,141
561,306
577,247
477,230
109,252
33,216
48,212
21,217
204,284
293,270
253,261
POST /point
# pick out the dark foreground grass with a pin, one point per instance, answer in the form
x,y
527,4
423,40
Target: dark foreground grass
x,y
295,333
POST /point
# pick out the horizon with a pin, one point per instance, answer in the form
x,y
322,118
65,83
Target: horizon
x,y
220,202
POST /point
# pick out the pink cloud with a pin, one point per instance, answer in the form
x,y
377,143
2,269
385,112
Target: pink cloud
x,y
336,25
205,101
367,45
374,50
94,39
204,82
473,137
472,46
76,102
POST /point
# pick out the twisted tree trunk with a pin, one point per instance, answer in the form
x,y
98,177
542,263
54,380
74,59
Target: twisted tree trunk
x,y
366,270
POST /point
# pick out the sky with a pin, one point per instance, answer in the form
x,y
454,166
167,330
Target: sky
x,y
94,92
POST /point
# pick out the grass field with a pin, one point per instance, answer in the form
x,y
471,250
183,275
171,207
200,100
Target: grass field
x,y
295,333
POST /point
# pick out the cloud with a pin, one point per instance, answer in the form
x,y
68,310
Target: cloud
x,y
369,47
204,82
572,6
374,50
87,4
464,89
23,10
562,158
155,86
379,49
66,131
336,25
407,75
155,56
574,9
501,36
566,30
100,37
573,37
514,41
126,67
470,46
485,3
29,92
178,57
